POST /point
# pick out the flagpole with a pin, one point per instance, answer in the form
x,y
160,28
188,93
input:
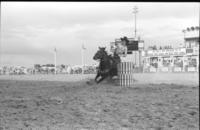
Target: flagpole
x,y
82,59
55,59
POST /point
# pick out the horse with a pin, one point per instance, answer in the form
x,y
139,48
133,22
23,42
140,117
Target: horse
x,y
107,66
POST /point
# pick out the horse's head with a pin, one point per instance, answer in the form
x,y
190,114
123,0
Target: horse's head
x,y
100,54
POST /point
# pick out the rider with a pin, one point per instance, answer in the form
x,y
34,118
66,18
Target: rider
x,y
121,48
116,58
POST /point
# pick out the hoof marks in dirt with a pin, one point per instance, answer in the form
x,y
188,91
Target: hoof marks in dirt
x,y
90,82
192,113
56,100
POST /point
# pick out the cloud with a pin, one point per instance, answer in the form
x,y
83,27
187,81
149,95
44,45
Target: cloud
x,y
35,28
59,14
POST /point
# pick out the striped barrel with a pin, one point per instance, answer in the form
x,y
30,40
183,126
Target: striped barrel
x,y
125,74
125,68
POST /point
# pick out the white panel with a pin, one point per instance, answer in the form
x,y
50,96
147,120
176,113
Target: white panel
x,y
190,34
177,69
165,69
152,69
140,44
191,69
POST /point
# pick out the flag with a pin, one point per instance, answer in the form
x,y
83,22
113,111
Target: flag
x,y
83,47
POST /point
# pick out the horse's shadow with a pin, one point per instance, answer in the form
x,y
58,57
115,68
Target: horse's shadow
x,y
106,81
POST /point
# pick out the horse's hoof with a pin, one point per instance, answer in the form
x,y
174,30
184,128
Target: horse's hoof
x,y
88,82
97,82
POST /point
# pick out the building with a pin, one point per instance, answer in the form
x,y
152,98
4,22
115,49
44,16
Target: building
x,y
182,59
191,37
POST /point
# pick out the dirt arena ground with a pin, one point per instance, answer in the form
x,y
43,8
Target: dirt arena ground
x,y
64,102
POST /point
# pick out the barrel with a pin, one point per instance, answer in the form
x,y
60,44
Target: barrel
x,y
125,74
125,68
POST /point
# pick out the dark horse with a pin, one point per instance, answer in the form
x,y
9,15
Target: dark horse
x,y
107,66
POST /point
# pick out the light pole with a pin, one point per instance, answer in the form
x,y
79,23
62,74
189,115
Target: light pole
x,y
184,37
82,60
135,11
55,58
82,57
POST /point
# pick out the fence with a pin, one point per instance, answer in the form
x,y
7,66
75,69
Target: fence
x,y
171,69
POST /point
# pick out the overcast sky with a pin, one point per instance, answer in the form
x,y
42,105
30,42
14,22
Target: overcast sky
x,y
31,30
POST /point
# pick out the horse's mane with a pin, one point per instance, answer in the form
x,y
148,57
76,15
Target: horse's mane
x,y
105,52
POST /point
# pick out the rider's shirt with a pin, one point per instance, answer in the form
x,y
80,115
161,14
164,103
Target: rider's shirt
x,y
121,50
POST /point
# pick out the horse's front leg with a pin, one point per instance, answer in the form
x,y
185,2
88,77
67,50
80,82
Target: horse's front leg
x,y
98,74
102,78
